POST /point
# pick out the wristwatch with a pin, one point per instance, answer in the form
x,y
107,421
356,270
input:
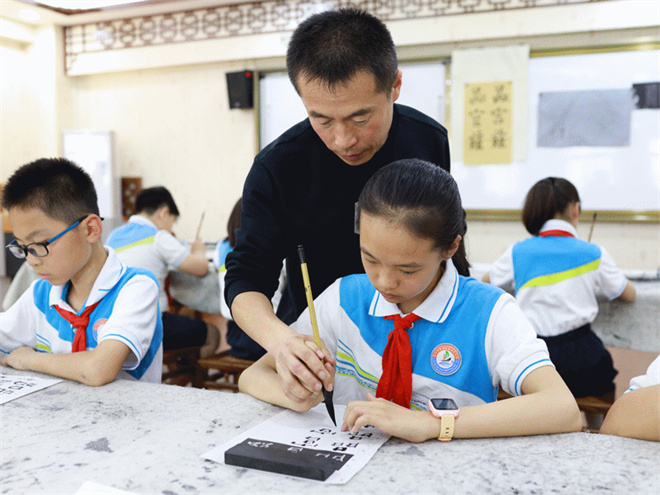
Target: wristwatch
x,y
447,410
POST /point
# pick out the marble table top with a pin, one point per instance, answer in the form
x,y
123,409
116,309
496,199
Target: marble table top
x,y
149,438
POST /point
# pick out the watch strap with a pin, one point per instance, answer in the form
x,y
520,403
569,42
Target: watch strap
x,y
446,427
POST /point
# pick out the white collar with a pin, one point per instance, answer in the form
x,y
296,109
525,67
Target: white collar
x,y
107,278
436,306
556,224
141,220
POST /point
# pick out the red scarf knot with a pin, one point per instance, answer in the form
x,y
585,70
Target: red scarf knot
x,y
80,323
396,382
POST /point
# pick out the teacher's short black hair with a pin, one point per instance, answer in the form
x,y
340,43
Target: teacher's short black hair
x,y
335,45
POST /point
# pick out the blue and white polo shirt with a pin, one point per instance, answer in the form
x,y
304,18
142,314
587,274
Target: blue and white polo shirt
x,y
557,278
128,312
472,337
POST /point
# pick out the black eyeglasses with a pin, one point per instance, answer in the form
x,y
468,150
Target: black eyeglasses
x,y
38,249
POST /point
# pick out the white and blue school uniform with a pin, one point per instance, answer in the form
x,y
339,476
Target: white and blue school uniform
x,y
557,279
140,243
471,338
219,257
128,312
651,378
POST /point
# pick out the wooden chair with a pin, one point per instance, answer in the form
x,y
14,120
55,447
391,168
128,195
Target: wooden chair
x,y
220,372
180,366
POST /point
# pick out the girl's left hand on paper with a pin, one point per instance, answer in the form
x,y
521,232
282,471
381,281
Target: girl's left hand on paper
x,y
19,359
391,418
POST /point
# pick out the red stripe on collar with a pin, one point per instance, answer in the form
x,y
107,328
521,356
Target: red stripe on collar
x,y
555,233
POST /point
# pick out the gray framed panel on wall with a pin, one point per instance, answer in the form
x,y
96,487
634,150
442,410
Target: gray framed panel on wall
x,y
280,107
594,120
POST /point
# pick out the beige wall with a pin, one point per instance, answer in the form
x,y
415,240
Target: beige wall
x,y
29,99
173,125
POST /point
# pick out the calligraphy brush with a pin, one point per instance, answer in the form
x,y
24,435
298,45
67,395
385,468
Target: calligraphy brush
x,y
327,395
199,227
591,230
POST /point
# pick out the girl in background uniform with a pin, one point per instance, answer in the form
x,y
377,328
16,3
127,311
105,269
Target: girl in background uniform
x,y
416,328
556,278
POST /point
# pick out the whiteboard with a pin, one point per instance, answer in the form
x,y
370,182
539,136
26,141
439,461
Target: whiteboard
x,y
280,106
94,152
615,178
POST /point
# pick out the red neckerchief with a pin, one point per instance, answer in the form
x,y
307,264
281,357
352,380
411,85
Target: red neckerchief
x,y
80,323
396,382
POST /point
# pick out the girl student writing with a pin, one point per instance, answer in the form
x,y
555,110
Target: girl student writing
x,y
415,327
556,278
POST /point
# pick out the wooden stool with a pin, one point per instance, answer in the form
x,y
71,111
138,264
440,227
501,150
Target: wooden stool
x,y
599,405
180,366
228,367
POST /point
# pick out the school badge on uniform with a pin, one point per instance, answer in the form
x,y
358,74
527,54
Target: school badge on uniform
x,y
98,325
446,359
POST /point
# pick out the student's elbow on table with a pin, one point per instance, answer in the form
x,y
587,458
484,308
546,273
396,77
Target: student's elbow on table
x,y
103,364
555,400
254,380
573,416
244,380
95,373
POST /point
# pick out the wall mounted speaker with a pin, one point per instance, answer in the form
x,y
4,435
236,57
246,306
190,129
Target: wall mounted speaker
x,y
240,89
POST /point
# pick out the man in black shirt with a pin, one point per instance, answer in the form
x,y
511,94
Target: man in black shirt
x,y
303,187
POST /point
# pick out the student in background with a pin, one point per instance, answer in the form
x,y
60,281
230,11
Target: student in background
x,y
146,241
636,414
302,188
453,338
556,278
242,346
90,318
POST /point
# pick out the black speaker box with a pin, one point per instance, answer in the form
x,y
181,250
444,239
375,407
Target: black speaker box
x,y
240,89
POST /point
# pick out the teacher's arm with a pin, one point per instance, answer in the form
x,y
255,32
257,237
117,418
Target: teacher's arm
x,y
299,369
253,270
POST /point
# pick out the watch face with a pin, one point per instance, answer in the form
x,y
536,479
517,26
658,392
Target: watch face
x,y
444,404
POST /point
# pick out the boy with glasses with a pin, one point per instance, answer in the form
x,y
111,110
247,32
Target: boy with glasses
x,y
89,318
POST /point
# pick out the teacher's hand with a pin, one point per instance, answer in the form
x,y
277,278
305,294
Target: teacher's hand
x,y
300,367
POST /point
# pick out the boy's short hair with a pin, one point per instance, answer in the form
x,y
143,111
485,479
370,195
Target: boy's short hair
x,y
56,186
335,45
152,199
